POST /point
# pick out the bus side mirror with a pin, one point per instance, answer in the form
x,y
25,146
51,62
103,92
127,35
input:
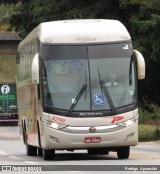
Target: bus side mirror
x,y
140,65
35,69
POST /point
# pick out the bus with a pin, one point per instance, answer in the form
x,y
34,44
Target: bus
x,y
64,100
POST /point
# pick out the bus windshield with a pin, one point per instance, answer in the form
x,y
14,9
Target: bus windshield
x,y
68,69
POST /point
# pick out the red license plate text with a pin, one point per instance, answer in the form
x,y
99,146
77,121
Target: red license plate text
x,y
93,140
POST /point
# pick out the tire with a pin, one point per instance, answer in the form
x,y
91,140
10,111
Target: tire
x,y
39,137
123,152
48,154
31,150
40,151
24,133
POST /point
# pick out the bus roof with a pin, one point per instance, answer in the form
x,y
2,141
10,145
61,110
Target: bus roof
x,y
79,31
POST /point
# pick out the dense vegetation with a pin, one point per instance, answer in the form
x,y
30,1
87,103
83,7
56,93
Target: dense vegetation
x,y
141,17
7,68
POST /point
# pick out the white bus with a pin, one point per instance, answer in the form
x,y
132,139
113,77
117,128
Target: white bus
x,y
65,99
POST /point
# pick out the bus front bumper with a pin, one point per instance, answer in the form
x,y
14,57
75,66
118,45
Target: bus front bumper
x,y
72,138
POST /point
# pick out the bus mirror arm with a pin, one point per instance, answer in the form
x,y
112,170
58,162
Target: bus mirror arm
x,y
35,69
140,65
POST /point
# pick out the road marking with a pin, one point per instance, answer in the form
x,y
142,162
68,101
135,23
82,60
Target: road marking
x,y
3,153
5,135
14,157
75,171
141,156
13,138
151,142
30,162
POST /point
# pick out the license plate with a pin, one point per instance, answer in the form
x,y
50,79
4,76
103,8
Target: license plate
x,y
93,140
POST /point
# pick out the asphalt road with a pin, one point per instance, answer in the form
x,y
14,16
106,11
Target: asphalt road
x,y
13,153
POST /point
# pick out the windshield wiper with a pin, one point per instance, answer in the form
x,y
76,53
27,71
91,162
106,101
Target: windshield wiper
x,y
77,99
106,93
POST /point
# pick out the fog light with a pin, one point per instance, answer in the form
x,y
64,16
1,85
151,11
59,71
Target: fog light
x,y
128,137
54,139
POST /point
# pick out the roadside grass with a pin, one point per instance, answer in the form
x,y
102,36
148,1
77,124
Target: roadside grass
x,y
149,118
149,125
7,68
144,116
148,132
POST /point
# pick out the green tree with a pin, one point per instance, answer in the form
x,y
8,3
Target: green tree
x,y
6,11
29,14
143,22
10,1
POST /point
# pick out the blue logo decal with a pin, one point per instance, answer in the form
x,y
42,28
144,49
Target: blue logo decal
x,y
99,99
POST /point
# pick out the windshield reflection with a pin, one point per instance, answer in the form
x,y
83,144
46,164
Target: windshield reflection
x,y
72,67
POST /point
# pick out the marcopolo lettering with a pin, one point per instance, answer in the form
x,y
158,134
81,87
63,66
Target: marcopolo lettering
x,y
90,113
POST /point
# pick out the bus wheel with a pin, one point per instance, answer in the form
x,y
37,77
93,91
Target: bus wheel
x,y
48,154
31,150
24,133
123,152
39,151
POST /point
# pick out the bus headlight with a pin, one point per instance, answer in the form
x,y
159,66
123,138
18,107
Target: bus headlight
x,y
128,122
54,125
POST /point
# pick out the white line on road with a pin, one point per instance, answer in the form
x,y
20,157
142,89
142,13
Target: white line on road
x,y
3,153
30,162
14,157
75,171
